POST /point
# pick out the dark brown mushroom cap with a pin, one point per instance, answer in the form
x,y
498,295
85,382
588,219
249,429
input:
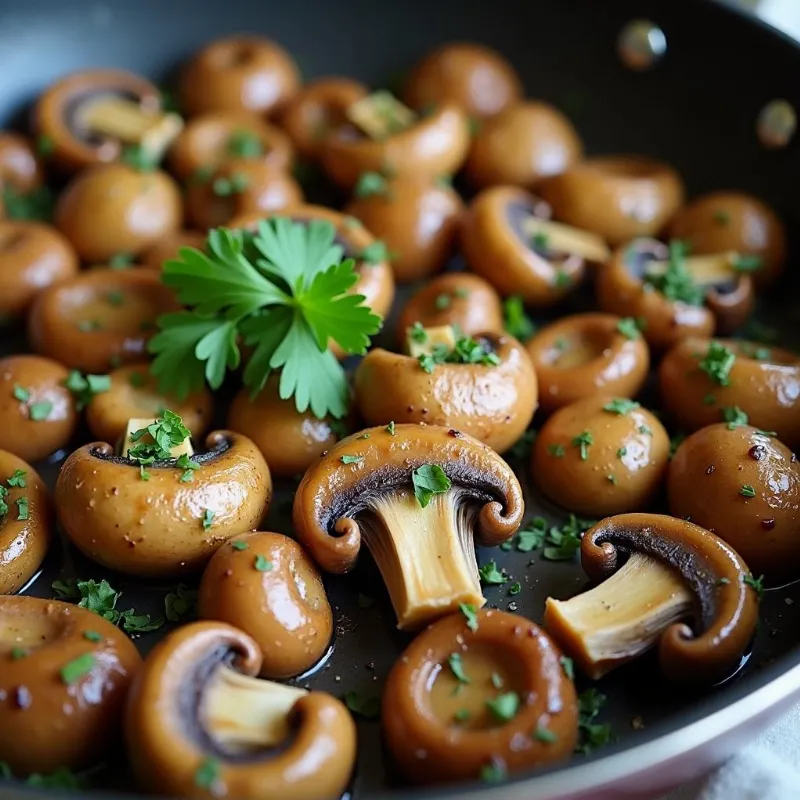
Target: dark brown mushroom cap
x,y
167,742
430,749
724,623
332,494
64,675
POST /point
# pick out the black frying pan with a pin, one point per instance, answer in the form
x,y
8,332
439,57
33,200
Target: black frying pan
x,y
697,110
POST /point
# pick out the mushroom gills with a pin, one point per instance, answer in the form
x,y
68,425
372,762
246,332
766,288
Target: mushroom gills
x,y
706,270
140,423
559,238
426,555
380,115
243,714
622,617
441,338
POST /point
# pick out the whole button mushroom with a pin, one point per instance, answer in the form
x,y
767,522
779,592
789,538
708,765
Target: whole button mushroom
x,y
744,486
484,386
64,676
734,221
601,455
265,585
521,146
114,209
167,248
417,218
99,318
33,256
508,239
616,197
199,723
238,73
417,495
663,582
25,525
20,169
588,354
470,695
37,411
473,76
701,378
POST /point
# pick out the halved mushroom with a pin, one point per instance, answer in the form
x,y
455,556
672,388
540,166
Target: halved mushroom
x,y
508,238
90,117
199,722
64,675
465,696
417,494
657,572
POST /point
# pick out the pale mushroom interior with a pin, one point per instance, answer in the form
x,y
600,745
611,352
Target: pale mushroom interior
x,y
380,115
560,238
706,270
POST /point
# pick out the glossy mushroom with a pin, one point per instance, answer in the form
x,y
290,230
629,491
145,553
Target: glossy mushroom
x,y
25,525
168,247
601,455
588,354
508,239
149,521
238,73
665,582
363,488
33,256
113,208
722,221
476,78
701,377
464,301
99,319
417,218
463,698
37,411
265,585
744,486
521,146
492,398
616,197
289,440
198,720
64,677
20,168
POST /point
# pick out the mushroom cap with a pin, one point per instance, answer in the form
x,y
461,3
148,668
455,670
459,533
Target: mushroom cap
x,y
156,527
332,494
764,382
496,247
33,439
168,247
586,354
99,318
727,607
431,749
492,403
705,484
238,73
435,145
113,208
523,145
20,168
47,721
626,459
617,197
167,744
23,542
283,605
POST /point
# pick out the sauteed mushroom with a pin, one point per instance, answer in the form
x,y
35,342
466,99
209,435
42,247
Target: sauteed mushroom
x,y
657,572
65,674
167,248
199,722
464,697
416,494
20,169
744,486
265,585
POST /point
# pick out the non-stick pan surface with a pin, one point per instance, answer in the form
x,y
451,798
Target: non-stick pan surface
x,y
697,110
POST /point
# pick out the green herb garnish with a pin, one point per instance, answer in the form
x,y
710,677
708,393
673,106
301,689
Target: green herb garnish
x,y
544,735
22,508
515,320
504,706
366,707
371,183
352,459
428,480
181,605
206,776
208,519
676,282
77,668
470,614
620,406
568,667
717,363
556,450
592,734
40,411
583,441
491,575
262,563
456,665
747,490
756,584
85,388
245,144
629,328
375,253
18,479
735,417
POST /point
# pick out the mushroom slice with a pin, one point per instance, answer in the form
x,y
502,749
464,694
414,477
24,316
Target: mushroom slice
x,y
556,237
373,485
198,719
658,570
380,115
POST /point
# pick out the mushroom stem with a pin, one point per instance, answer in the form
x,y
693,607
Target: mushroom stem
x,y
441,337
139,424
563,238
381,115
706,270
621,617
426,555
243,713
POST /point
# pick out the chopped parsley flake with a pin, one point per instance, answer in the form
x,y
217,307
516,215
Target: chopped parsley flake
x,y
352,459
620,406
208,519
629,328
456,665
717,363
583,441
428,480
491,575
262,563
470,614
747,490
504,706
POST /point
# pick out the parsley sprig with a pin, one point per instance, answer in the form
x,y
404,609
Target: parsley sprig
x,y
466,351
676,283
166,432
